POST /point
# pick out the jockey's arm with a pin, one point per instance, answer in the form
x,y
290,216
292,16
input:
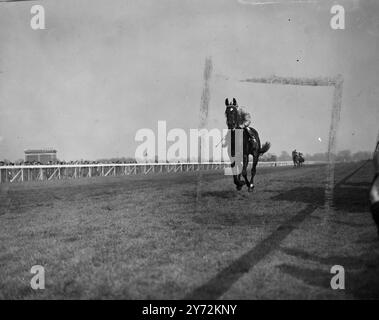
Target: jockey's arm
x,y
246,118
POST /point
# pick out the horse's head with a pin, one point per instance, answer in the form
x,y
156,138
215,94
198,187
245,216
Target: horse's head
x,y
231,113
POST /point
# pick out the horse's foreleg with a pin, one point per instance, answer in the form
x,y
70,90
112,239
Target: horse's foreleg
x,y
253,172
237,182
237,177
244,169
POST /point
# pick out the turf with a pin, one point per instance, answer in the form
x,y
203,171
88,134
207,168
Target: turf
x,y
190,235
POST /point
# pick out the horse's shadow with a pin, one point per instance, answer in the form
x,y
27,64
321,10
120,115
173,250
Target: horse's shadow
x,y
348,197
220,194
217,208
223,194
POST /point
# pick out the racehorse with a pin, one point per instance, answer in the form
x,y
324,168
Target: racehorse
x,y
301,159
251,145
297,158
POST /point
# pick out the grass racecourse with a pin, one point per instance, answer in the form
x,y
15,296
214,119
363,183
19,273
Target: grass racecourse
x,y
191,236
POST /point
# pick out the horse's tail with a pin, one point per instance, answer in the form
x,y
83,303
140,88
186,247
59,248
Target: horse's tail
x,y
264,148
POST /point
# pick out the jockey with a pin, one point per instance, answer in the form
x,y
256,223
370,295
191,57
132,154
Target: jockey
x,y
244,119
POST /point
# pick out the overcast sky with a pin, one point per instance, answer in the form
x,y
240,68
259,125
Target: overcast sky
x,y
104,69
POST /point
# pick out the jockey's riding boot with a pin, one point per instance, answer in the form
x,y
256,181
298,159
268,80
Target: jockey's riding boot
x,y
250,133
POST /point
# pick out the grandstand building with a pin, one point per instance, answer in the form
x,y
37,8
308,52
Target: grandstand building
x,y
43,156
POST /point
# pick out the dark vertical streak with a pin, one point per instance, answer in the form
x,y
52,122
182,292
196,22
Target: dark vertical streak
x,y
332,145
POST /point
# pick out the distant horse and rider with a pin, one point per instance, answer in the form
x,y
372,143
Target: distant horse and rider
x,y
297,158
238,122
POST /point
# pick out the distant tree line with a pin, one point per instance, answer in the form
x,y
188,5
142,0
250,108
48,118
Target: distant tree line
x,y
117,160
341,156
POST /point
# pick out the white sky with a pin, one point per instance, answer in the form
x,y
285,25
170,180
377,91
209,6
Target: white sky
x,y
104,69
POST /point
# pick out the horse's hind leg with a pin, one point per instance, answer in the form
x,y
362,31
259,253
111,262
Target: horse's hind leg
x,y
253,172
